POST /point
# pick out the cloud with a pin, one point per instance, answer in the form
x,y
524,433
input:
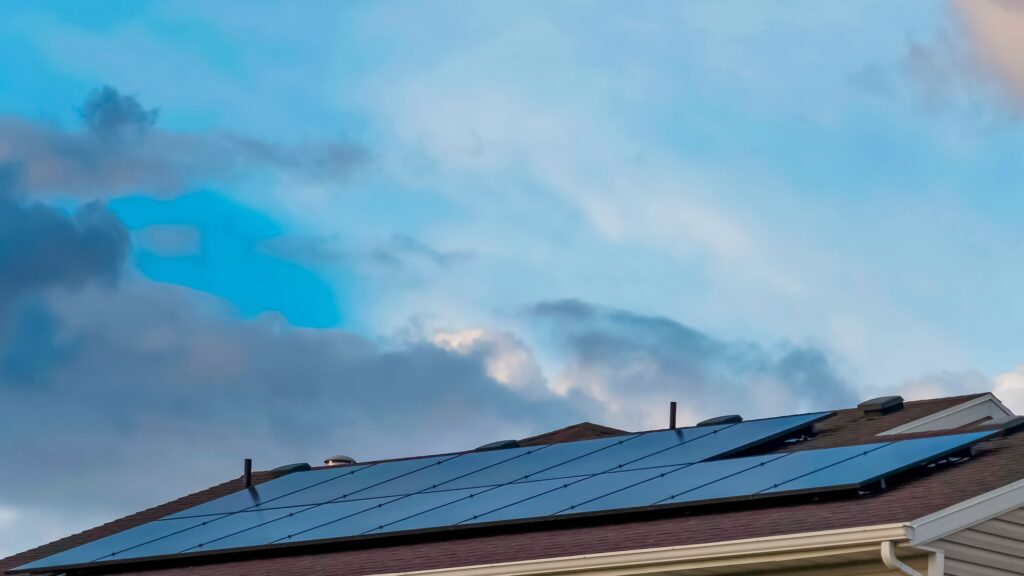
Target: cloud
x,y
635,364
405,250
946,383
996,30
42,247
398,252
1009,387
112,115
153,376
506,357
122,151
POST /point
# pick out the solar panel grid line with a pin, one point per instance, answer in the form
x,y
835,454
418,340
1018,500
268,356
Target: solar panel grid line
x,y
207,543
337,499
393,478
662,475
892,459
316,527
520,479
577,458
420,513
485,490
795,478
509,505
201,544
294,534
401,497
264,486
710,433
590,476
760,463
140,544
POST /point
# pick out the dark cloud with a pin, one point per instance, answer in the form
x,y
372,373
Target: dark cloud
x,y
43,247
161,390
122,150
114,116
638,363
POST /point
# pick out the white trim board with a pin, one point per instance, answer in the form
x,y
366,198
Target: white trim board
x,y
965,514
985,406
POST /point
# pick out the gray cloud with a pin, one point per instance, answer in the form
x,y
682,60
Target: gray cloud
x,y
401,250
396,254
147,377
112,115
121,150
638,363
43,247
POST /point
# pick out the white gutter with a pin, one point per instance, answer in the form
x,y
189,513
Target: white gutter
x,y
936,560
892,562
787,547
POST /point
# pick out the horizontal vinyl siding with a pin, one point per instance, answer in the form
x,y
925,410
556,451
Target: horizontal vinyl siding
x,y
993,548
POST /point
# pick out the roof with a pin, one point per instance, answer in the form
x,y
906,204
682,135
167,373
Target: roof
x,y
581,431
997,462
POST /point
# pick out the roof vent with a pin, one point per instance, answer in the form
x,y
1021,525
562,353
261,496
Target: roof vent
x,y
339,459
499,445
881,405
289,468
719,420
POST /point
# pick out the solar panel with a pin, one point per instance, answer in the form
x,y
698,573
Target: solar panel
x,y
103,547
267,491
668,467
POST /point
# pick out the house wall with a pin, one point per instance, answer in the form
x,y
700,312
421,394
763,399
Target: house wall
x,y
992,548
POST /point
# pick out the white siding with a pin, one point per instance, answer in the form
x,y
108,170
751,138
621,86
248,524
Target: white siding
x,y
992,548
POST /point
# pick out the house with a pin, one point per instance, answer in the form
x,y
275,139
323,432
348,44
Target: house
x,y
888,487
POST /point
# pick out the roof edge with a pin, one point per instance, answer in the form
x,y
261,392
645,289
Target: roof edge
x,y
965,514
923,424
732,552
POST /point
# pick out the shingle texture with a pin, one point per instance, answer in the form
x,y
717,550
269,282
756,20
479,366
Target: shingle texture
x,y
998,462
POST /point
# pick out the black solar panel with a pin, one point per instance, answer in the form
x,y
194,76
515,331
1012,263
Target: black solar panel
x,y
633,471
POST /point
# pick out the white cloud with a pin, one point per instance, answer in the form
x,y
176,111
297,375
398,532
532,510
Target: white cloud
x,y
996,27
1009,387
506,357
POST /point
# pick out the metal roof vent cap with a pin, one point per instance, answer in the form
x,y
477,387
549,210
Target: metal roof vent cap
x,y
339,459
499,445
719,420
881,405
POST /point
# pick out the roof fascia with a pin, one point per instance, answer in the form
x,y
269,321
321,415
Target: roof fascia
x,y
915,425
677,558
965,514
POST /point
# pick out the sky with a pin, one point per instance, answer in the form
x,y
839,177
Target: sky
x,y
245,229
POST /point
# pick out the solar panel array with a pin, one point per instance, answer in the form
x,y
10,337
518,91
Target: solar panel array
x,y
668,467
